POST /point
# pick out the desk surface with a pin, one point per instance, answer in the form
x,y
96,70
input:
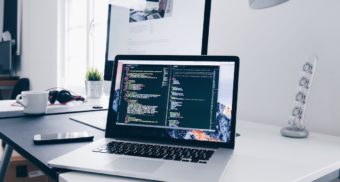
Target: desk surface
x,y
261,154
19,132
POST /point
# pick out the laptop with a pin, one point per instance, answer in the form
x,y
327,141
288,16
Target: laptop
x,y
170,118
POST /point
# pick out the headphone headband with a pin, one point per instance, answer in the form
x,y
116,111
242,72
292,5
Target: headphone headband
x,y
63,96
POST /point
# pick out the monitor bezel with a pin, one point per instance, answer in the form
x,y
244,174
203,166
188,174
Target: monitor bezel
x,y
149,134
108,69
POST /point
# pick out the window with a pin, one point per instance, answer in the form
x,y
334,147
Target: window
x,y
85,29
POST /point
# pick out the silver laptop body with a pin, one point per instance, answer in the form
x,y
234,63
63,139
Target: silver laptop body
x,y
199,114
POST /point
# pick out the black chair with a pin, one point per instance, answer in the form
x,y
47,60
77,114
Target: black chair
x,y
23,84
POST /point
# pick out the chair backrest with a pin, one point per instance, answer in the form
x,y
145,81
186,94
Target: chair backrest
x,y
23,84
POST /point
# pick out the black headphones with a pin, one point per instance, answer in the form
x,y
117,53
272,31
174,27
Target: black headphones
x,y
63,96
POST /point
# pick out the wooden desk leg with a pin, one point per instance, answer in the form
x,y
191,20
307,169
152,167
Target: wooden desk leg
x,y
5,161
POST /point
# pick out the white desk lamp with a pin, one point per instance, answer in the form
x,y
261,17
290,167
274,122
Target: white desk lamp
x,y
261,4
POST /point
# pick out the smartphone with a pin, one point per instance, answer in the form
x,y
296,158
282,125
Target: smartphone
x,y
66,137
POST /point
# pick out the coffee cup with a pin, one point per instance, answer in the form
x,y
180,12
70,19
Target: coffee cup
x,y
34,102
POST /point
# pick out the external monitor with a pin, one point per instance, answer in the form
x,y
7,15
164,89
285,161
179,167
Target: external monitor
x,y
5,58
156,27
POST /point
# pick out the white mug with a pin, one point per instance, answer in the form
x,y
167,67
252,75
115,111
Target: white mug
x,y
34,102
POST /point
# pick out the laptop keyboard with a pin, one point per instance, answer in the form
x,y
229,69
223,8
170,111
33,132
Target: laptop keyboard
x,y
157,151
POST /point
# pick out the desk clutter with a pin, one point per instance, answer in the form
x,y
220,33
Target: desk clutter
x,y
10,108
36,102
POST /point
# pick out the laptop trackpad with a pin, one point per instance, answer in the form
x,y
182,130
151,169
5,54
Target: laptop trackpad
x,y
136,165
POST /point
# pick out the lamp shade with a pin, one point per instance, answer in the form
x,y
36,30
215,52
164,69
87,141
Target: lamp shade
x,y
261,4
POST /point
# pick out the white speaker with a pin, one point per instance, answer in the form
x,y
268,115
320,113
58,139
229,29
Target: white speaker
x,y
296,127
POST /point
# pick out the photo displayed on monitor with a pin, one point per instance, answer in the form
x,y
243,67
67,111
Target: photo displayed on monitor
x,y
156,27
156,9
5,58
162,95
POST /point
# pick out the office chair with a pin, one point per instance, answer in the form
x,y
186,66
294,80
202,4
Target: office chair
x,y
23,84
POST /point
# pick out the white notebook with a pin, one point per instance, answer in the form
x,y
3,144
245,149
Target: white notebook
x,y
95,119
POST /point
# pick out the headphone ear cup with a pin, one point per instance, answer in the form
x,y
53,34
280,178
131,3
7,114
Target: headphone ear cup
x,y
64,96
52,96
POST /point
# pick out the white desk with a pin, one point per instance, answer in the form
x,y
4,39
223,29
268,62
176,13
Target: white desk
x,y
262,155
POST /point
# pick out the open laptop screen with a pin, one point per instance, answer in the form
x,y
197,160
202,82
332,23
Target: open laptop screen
x,y
187,100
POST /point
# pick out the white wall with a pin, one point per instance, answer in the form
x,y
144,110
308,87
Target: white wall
x,y
271,44
40,43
